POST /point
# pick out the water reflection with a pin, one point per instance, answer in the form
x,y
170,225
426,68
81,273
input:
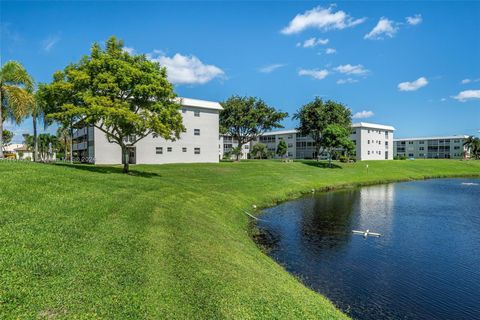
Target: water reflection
x,y
423,267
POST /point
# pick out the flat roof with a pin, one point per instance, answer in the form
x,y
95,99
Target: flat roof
x,y
286,131
372,125
433,138
199,103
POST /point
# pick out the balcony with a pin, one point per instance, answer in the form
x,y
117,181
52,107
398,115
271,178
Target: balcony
x,y
80,132
80,146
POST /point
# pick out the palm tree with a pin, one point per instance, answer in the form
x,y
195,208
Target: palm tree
x,y
473,144
63,135
16,87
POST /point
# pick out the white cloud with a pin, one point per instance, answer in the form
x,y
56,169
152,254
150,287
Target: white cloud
x,y
348,80
466,81
350,69
49,43
186,69
363,114
467,95
312,42
443,99
416,19
414,85
322,19
384,28
330,51
314,73
271,68
128,50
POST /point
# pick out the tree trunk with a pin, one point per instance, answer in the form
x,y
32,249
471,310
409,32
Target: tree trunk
x,y
35,139
125,159
239,153
71,141
1,126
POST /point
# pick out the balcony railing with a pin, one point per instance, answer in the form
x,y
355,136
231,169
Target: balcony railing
x,y
80,146
80,132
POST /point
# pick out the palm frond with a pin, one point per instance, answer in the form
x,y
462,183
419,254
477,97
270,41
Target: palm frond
x,y
14,74
18,102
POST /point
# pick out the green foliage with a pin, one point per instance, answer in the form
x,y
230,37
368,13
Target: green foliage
x,y
399,157
336,137
246,118
259,151
7,137
473,144
16,87
315,117
126,96
237,152
282,148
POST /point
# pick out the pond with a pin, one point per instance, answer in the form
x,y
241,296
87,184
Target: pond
x,y
426,264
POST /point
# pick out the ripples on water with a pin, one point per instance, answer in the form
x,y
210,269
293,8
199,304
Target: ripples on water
x,y
425,266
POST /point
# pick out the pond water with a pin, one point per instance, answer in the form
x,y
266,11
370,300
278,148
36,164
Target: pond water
x,y
426,264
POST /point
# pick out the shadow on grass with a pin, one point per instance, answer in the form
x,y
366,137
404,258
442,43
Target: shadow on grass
x,y
108,170
320,164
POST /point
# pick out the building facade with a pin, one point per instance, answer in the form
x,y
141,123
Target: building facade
x,y
447,147
372,142
199,143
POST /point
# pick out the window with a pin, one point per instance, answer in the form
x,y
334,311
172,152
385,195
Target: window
x,y
354,131
386,143
368,152
196,113
368,141
421,142
196,151
456,141
184,110
196,132
354,142
410,142
290,137
410,154
421,148
456,147
169,149
368,131
246,147
386,134
184,149
290,145
159,150
227,146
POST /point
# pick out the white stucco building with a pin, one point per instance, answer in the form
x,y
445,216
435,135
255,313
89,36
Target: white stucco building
x,y
444,147
372,142
198,144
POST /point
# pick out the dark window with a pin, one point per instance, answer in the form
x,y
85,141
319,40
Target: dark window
x,y
196,113
159,150
169,149
197,150
196,132
184,149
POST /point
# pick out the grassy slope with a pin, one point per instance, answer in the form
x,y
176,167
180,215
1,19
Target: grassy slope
x,y
169,242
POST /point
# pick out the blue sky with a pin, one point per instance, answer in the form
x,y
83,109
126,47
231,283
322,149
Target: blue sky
x,y
413,65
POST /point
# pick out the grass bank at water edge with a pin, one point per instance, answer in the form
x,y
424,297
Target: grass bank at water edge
x,y
167,242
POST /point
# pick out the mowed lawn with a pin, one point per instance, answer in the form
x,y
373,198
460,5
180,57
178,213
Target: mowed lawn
x,y
167,242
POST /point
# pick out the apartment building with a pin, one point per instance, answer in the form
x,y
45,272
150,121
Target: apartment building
x,y
227,144
446,147
199,143
372,142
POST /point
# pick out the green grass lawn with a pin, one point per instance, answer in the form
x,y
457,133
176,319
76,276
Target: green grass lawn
x,y
168,241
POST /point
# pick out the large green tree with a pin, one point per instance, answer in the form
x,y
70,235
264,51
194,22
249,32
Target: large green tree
x,y
246,118
336,137
315,117
125,96
16,87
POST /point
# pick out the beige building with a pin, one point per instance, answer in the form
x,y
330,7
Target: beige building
x,y
445,147
198,144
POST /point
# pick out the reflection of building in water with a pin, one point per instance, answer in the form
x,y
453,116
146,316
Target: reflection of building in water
x,y
375,208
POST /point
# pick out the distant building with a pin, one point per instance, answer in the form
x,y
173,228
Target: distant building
x,y
446,147
198,144
226,144
372,142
